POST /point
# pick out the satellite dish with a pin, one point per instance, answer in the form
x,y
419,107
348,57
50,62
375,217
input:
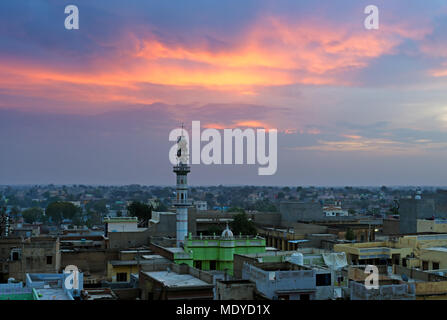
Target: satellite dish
x,y
404,277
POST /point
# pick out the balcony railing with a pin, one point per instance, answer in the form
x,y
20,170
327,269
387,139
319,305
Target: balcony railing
x,y
186,202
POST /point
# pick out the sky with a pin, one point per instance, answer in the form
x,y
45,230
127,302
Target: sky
x,y
352,106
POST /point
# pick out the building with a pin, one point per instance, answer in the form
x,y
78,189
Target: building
x,y
120,224
410,210
391,225
432,225
131,262
311,256
388,290
335,210
235,290
212,252
43,287
293,211
433,258
123,232
175,282
429,285
329,278
201,205
163,224
98,294
34,255
412,251
16,291
282,281
54,286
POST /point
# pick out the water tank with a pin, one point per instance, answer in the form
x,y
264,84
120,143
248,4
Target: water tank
x,y
297,258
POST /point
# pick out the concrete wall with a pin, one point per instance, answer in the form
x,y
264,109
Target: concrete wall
x,y
266,218
436,256
390,226
418,274
124,240
410,210
166,227
89,261
235,290
151,289
424,225
127,293
293,211
405,291
271,283
34,258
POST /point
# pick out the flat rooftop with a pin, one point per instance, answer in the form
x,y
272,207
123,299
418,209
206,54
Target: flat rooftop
x,y
174,280
175,249
52,294
439,249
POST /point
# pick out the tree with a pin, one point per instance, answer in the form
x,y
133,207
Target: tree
x,y
60,210
242,225
263,206
98,206
236,209
162,207
350,235
32,215
217,230
140,210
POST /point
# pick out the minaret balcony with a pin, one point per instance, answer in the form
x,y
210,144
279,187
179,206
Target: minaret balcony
x,y
182,202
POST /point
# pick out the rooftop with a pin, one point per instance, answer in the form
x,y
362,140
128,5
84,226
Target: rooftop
x,y
174,280
52,294
439,249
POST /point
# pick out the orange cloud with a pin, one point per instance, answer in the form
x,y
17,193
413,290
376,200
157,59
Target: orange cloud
x,y
238,124
273,52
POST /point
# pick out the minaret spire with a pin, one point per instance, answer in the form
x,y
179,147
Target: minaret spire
x,y
182,202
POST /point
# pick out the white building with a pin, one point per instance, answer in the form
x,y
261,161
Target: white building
x,y
201,205
121,224
335,210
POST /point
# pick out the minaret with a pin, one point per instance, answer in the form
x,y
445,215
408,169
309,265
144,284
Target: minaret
x,y
181,201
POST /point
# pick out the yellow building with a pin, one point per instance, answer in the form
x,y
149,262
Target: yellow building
x,y
419,251
439,226
130,262
434,258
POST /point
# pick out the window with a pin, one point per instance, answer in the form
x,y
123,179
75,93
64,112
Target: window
x,y
121,277
305,297
435,265
49,259
15,256
213,265
323,279
198,264
424,265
